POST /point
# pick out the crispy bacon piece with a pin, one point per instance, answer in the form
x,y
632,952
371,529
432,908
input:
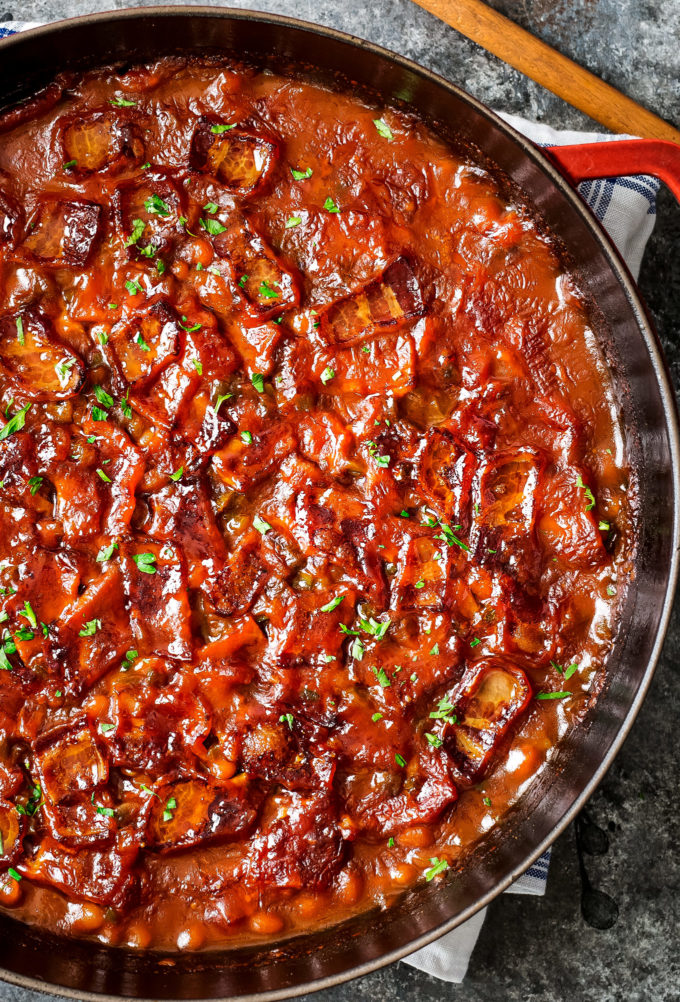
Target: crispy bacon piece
x,y
266,285
17,465
158,725
72,770
12,831
148,213
390,802
142,348
182,513
9,219
273,752
487,706
242,159
93,633
422,578
156,588
195,810
390,301
64,234
100,141
103,876
566,523
235,587
504,531
204,424
446,472
87,504
389,366
241,465
39,364
300,847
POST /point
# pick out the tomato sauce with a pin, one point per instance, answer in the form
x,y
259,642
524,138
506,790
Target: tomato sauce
x,y
314,512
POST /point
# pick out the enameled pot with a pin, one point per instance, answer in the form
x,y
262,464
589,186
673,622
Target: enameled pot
x,y
84,970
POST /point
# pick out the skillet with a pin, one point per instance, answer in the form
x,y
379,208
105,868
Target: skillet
x,y
83,970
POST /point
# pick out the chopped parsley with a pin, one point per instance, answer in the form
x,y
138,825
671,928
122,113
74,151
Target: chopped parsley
x,y
486,801
212,226
287,718
220,400
138,227
257,379
376,717
266,290
133,287
121,102
139,340
211,208
106,727
29,614
327,375
170,805
400,760
357,649
449,537
435,649
35,483
247,437
198,365
106,552
261,525
90,628
383,129
103,476
146,562
177,474
293,221
333,604
20,331
301,175
552,695
217,130
69,164
15,423
99,415
434,740
382,677
590,497
374,627
104,398
330,205
438,866
155,206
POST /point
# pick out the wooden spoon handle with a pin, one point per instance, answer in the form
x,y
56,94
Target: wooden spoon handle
x,y
550,68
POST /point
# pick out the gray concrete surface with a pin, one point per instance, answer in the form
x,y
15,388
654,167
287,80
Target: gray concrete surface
x,y
540,950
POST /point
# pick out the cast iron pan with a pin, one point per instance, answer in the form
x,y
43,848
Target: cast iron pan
x,y
79,969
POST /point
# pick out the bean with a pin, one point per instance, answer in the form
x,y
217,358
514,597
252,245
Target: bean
x,y
11,893
192,937
415,838
349,887
266,923
85,917
138,936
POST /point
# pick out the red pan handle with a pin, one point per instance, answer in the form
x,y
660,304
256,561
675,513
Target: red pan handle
x,y
621,157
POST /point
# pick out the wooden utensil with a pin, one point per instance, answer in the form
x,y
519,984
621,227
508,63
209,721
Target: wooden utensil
x,y
550,68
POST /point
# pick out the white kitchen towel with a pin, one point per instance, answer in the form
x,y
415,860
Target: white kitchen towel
x,y
626,207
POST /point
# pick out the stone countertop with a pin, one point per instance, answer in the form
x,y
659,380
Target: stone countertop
x,y
540,949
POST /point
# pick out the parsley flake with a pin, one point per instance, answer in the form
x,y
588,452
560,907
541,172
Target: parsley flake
x,y
261,525
146,562
438,866
301,175
383,129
